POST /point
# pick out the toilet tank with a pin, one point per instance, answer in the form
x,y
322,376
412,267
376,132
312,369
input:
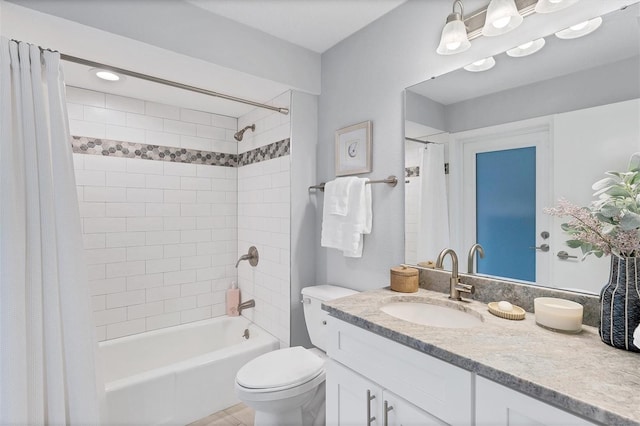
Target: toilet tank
x,y
314,316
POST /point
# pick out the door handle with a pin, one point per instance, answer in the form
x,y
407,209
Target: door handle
x,y
563,255
543,247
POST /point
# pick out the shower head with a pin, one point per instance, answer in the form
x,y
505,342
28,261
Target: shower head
x,y
239,134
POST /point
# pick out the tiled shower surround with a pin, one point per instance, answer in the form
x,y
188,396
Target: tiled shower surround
x,y
161,236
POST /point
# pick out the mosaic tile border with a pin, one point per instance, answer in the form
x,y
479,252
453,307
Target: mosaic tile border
x,y
411,171
111,148
415,171
267,152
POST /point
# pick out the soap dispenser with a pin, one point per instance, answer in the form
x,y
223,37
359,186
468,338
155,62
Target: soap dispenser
x,y
233,299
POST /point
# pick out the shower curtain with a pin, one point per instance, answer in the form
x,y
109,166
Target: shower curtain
x,y
433,211
47,342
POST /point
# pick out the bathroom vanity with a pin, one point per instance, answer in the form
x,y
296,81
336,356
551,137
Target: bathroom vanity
x,y
389,371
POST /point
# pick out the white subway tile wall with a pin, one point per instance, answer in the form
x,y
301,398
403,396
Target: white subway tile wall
x,y
271,126
263,221
160,238
101,115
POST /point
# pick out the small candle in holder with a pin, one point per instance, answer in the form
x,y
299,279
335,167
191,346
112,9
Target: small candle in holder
x,y
558,314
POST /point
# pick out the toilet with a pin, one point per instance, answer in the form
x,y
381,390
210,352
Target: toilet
x,y
286,386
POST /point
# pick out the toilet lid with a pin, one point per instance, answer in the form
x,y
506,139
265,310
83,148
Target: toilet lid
x,y
281,368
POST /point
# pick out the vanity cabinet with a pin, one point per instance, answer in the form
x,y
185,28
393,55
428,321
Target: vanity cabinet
x,y
367,368
369,376
355,400
497,405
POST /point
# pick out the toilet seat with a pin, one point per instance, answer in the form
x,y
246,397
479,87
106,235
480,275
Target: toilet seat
x,y
279,370
248,394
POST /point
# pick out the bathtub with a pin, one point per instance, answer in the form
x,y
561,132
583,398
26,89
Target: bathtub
x,y
180,374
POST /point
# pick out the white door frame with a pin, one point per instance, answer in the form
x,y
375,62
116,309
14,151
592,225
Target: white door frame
x,y
463,147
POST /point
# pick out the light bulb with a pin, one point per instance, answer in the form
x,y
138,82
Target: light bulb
x,y
453,45
580,26
501,22
526,45
481,65
581,29
527,48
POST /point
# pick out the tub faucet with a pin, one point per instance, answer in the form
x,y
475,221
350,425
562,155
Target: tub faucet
x,y
472,250
252,257
248,304
455,286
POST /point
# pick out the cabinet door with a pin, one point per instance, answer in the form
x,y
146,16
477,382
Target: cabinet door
x,y
497,405
399,412
352,400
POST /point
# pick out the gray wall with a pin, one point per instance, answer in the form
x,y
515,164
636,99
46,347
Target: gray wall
x,y
304,142
423,110
571,92
363,78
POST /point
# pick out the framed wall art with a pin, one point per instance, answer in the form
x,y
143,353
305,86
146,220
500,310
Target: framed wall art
x,y
353,149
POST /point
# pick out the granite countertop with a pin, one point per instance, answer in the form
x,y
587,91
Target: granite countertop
x,y
576,372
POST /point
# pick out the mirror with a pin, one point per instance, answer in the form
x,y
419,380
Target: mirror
x,y
549,125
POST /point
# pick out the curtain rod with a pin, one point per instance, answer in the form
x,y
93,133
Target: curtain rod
x,y
420,141
159,80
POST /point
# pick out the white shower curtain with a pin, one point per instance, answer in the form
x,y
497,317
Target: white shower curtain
x,y
47,342
433,211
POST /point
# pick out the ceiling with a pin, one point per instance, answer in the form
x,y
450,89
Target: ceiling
x,y
615,40
316,25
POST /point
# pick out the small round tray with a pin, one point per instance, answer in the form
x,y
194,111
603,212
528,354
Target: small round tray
x,y
516,314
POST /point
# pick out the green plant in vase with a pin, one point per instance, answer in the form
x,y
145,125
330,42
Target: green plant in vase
x,y
610,225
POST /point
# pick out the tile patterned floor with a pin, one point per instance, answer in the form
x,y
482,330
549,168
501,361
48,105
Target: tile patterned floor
x,y
238,415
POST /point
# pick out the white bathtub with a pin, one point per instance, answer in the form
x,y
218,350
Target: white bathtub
x,y
177,375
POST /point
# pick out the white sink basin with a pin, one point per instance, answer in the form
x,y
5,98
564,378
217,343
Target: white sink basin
x,y
432,315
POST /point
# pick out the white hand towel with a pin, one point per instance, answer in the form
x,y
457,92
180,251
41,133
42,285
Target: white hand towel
x,y
345,232
636,337
336,195
362,219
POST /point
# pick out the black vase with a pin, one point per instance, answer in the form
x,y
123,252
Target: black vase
x,y
620,303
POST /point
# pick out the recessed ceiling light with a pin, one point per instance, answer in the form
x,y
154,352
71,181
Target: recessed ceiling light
x,y
526,48
106,74
481,65
581,29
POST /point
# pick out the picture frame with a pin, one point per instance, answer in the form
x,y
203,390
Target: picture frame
x,y
353,149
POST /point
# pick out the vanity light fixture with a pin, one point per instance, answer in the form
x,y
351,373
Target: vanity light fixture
x,y
580,30
454,34
549,6
481,65
106,74
526,49
502,17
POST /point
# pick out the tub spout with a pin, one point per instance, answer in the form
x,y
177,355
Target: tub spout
x,y
244,305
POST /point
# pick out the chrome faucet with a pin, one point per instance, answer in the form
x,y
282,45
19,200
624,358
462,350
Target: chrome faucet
x,y
252,257
472,250
455,286
248,304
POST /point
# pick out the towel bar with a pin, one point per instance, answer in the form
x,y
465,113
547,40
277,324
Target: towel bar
x,y
391,180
